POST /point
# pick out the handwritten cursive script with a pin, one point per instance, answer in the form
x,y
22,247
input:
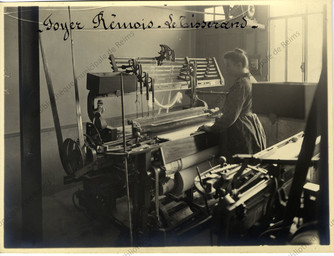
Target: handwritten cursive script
x,y
99,21
61,26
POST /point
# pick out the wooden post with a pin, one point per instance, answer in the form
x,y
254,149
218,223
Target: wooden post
x,y
31,175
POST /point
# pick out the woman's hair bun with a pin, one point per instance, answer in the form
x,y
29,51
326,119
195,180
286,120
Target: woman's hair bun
x,y
238,50
238,55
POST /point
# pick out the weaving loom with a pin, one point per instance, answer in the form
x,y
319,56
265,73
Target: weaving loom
x,y
158,164
153,159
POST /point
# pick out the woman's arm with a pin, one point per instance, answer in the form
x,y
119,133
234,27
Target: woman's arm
x,y
233,107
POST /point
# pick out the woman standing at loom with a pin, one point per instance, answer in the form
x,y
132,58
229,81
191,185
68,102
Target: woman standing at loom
x,y
240,131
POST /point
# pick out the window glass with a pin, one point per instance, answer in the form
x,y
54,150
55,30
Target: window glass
x,y
219,10
208,16
276,51
314,49
294,45
214,14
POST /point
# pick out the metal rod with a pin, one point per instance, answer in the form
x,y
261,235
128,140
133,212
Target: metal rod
x,y
137,100
153,101
169,95
126,162
211,92
157,205
76,90
53,103
147,94
141,89
199,177
202,184
141,102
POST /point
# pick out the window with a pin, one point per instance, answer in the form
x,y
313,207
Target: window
x,y
214,13
295,43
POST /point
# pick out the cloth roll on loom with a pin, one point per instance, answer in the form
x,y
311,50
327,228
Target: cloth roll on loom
x,y
185,168
184,179
191,160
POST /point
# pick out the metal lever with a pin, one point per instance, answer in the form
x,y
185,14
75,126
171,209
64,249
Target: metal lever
x,y
113,62
152,89
140,76
204,195
147,93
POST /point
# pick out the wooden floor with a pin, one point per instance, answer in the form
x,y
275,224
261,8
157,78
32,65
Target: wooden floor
x,y
65,226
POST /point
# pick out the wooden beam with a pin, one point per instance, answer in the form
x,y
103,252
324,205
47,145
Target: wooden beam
x,y
31,175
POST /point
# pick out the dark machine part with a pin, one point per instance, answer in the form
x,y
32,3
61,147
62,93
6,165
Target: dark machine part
x,y
238,11
102,188
99,193
154,208
99,130
104,84
73,156
191,75
236,206
173,209
134,68
166,53
100,85
239,204
138,72
254,192
193,82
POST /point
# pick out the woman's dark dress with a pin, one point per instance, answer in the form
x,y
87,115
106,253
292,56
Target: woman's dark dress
x,y
239,129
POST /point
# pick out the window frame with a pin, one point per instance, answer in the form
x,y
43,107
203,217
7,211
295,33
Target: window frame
x,y
214,14
304,16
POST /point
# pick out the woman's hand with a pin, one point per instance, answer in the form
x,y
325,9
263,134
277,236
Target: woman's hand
x,y
205,128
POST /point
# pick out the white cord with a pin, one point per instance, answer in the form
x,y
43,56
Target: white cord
x,y
177,99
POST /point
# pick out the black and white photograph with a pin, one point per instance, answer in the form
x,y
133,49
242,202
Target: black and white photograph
x,y
161,126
